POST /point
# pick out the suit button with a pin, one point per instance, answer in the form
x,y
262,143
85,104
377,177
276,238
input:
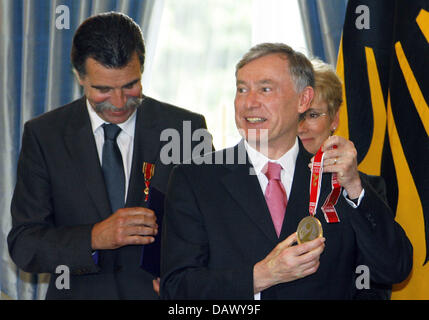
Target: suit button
x,y
117,268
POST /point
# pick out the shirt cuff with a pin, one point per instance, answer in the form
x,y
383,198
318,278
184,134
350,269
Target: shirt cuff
x,y
353,203
95,257
257,296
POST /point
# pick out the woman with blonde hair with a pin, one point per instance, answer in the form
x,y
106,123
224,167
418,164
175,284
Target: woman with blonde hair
x,y
316,128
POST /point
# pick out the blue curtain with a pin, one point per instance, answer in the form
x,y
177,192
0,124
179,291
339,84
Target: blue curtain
x,y
35,77
323,24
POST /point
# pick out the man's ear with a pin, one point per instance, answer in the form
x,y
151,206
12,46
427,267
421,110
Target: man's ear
x,y
305,99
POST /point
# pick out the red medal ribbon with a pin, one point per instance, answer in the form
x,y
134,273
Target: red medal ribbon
x,y
315,181
328,207
148,171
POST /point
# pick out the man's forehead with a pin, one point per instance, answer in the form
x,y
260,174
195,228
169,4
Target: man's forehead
x,y
101,77
93,62
269,58
264,70
265,64
259,81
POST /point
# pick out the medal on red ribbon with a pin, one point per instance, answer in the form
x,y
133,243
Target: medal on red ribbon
x,y
148,172
310,227
328,207
315,182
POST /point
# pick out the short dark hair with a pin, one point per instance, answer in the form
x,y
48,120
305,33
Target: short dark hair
x,y
300,67
109,38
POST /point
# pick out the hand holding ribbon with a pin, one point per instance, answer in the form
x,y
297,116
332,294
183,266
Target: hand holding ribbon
x,y
342,160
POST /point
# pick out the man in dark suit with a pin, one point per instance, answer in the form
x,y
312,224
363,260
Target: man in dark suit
x,y
90,186
225,234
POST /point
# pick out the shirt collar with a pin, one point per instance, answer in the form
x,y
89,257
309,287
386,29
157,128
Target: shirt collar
x,y
287,161
96,122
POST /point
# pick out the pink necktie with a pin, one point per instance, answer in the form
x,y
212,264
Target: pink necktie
x,y
275,194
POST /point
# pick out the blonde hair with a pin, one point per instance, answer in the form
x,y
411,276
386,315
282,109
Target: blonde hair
x,y
328,87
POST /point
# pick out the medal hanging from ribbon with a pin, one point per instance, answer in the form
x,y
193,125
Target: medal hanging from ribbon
x,y
328,207
148,172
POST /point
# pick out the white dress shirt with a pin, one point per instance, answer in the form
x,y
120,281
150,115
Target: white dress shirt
x,y
125,140
287,162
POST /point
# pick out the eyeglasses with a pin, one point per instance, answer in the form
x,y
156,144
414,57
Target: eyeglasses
x,y
311,116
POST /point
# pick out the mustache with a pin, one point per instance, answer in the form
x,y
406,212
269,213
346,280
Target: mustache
x,y
131,104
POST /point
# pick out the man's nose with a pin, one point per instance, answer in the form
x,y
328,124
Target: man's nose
x,y
252,100
118,98
302,127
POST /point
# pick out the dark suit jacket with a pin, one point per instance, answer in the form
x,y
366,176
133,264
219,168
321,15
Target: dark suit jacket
x,y
376,291
60,194
217,227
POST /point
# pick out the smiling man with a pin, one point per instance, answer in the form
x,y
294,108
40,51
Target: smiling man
x,y
230,229
90,184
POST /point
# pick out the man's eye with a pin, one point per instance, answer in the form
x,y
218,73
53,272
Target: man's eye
x,y
241,90
129,86
103,90
314,115
266,89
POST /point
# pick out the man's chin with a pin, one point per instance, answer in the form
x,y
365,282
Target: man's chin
x,y
116,117
255,136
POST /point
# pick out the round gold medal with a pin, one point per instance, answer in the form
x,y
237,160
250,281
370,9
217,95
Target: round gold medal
x,y
309,229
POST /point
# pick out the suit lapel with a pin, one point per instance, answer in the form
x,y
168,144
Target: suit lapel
x,y
146,149
79,140
245,189
298,202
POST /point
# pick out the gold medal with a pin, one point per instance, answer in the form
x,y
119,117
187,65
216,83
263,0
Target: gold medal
x,y
148,171
309,229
